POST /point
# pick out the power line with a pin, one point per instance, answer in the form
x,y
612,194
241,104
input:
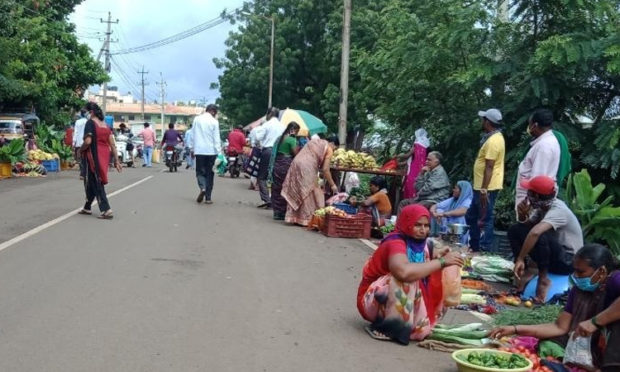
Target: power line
x,y
171,39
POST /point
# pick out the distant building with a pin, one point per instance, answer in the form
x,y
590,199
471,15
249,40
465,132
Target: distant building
x,y
124,108
131,114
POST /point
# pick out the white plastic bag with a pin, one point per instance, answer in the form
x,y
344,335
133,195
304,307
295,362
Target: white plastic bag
x,y
578,352
351,180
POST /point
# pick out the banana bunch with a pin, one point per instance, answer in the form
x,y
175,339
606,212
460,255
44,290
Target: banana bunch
x,y
41,155
353,160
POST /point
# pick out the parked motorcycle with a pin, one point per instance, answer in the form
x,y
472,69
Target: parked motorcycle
x,y
172,157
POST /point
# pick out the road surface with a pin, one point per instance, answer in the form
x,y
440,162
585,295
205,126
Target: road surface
x,y
172,285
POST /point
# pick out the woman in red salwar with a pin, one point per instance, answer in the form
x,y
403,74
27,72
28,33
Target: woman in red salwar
x,y
98,144
401,290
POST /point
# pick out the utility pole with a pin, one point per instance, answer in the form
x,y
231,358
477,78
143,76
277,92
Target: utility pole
x,y
142,83
162,86
273,35
344,74
106,49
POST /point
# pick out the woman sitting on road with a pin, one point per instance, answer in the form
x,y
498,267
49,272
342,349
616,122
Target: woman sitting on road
x,y
453,210
301,187
283,153
592,308
401,291
378,203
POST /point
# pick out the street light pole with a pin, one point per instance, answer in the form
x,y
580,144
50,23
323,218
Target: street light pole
x,y
273,34
273,42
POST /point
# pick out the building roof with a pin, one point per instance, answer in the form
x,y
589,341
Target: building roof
x,y
136,108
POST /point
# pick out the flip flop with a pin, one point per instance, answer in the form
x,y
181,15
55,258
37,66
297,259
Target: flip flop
x,y
105,216
376,334
84,211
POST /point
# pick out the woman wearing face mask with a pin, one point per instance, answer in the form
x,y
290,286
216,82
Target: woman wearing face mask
x,y
592,308
98,145
401,292
283,153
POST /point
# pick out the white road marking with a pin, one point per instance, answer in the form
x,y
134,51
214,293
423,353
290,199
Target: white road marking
x,y
369,244
55,221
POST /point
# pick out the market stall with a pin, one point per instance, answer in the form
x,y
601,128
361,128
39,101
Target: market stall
x,y
392,176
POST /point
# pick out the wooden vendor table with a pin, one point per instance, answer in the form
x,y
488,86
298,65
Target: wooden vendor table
x,y
393,191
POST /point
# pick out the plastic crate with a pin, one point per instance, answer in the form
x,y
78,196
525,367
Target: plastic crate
x,y
51,165
357,226
347,208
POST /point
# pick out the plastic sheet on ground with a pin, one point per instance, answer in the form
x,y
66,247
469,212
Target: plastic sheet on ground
x,y
492,268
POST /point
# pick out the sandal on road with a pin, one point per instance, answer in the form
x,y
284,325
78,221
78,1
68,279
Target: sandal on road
x,y
85,211
107,215
376,334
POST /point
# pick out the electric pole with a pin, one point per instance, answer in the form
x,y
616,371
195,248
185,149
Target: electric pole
x,y
142,83
344,74
106,49
162,86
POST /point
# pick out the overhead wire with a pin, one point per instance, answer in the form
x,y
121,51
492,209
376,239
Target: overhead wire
x,y
176,37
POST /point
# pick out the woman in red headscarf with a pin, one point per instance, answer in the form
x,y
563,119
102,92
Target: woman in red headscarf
x,y
400,292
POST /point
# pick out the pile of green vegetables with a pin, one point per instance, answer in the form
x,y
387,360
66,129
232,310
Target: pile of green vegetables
x,y
541,315
463,334
494,360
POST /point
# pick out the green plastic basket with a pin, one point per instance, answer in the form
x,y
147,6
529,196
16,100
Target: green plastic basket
x,y
464,366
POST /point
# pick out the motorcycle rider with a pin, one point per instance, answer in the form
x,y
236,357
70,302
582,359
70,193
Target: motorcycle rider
x,y
171,138
236,142
123,130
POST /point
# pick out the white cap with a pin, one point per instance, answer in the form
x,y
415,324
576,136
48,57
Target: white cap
x,y
493,115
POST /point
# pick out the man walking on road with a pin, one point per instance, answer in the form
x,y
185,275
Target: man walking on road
x,y
488,180
78,140
149,142
267,134
205,146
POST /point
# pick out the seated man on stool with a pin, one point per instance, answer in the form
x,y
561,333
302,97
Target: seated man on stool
x,y
548,232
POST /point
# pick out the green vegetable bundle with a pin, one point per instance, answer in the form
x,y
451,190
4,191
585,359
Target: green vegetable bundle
x,y
463,334
541,315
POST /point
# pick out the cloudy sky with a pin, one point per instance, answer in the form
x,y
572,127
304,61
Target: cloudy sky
x,y
186,65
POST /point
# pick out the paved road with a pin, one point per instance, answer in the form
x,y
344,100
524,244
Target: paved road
x,y
170,285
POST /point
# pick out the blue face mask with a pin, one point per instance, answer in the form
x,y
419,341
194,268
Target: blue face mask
x,y
585,284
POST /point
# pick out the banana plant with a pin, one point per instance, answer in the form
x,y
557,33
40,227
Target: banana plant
x,y
13,152
599,220
64,152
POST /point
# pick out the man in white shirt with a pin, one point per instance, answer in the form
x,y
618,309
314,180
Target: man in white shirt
x,y
267,135
78,140
543,158
204,146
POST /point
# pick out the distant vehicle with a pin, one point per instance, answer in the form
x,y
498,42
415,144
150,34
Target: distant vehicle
x,y
17,125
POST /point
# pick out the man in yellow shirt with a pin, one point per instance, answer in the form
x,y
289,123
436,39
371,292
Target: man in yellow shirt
x,y
488,181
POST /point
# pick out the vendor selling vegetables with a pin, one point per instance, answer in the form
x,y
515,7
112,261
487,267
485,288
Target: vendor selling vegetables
x,y
547,231
378,203
401,290
592,309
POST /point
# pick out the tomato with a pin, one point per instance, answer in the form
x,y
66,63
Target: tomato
x,y
521,348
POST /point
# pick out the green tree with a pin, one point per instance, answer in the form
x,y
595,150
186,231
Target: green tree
x,y
307,62
42,64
